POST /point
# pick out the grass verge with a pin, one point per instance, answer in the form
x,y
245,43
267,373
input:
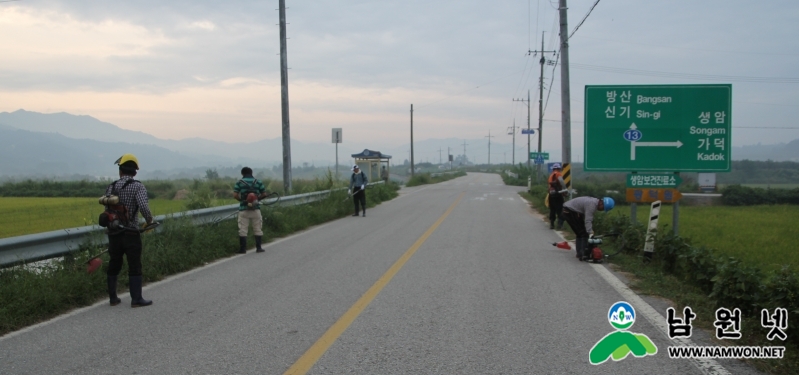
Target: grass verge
x,y
706,280
33,295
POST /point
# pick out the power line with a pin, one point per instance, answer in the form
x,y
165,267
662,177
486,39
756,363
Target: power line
x,y
467,90
693,49
584,18
706,77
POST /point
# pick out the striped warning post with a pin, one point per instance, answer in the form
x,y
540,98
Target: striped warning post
x,y
567,175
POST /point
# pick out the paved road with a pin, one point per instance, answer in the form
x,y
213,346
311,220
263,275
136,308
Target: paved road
x,y
477,289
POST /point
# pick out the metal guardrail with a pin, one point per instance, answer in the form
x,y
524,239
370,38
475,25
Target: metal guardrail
x,y
57,243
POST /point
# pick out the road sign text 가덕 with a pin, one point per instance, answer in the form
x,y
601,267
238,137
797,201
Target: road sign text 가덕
x,y
670,128
542,155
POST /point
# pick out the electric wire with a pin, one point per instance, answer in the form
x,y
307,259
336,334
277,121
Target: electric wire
x,y
584,18
704,77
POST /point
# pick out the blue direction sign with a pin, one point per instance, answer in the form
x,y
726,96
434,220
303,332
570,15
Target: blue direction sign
x,y
528,131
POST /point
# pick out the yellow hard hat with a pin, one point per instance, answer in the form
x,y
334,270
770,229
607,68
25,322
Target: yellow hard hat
x,y
126,158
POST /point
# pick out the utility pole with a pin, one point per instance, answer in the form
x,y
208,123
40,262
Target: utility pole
x,y
412,167
439,154
489,136
464,151
565,102
513,131
528,124
540,98
284,101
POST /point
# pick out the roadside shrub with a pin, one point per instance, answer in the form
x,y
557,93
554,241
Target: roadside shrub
x,y
737,285
737,195
782,291
699,267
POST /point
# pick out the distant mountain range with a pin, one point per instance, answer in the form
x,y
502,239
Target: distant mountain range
x,y
61,144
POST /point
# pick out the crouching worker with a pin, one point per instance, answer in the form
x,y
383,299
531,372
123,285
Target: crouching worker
x,y
124,239
579,213
249,191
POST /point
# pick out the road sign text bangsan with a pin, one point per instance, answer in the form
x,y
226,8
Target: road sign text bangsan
x,y
658,128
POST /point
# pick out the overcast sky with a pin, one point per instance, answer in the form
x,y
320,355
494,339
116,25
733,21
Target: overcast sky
x,y
179,68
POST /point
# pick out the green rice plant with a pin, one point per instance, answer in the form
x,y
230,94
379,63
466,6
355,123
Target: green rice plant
x,y
20,216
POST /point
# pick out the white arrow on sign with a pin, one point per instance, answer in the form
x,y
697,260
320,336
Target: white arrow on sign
x,y
677,144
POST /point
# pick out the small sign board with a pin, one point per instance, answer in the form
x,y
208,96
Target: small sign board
x,y
645,180
450,158
528,131
652,195
535,155
337,135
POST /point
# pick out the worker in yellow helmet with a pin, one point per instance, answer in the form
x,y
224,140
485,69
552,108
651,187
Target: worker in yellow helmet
x,y
126,239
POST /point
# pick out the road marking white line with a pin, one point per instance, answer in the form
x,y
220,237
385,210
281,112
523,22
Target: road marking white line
x,y
706,365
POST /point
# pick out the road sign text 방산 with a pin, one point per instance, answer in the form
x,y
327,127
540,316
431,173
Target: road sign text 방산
x,y
658,128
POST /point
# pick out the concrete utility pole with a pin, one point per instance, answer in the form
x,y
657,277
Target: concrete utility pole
x,y
439,154
528,124
464,151
513,131
412,167
489,136
540,98
284,101
565,102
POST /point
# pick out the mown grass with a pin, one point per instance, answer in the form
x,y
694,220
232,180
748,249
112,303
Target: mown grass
x,y
31,295
425,178
20,216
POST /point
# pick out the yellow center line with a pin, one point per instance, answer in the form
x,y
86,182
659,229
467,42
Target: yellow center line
x,y
304,364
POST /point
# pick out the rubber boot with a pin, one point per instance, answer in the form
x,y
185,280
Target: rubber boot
x,y
364,211
560,223
112,290
242,245
258,248
551,224
585,255
580,247
136,299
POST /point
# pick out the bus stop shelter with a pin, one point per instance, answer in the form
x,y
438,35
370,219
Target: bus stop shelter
x,y
372,163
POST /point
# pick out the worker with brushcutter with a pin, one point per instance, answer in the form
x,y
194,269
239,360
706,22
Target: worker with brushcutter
x,y
357,189
123,199
557,192
579,213
249,191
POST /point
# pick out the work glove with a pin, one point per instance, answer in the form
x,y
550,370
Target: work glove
x,y
363,187
591,235
349,191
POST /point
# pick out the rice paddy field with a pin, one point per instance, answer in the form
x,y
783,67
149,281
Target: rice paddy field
x,y
765,236
20,216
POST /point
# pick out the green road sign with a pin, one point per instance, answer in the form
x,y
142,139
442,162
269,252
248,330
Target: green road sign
x,y
658,128
643,180
534,155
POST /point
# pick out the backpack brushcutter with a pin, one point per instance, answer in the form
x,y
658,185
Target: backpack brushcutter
x,y
95,262
595,254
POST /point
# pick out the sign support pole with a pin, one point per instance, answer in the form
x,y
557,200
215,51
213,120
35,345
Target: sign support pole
x,y
676,217
633,210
